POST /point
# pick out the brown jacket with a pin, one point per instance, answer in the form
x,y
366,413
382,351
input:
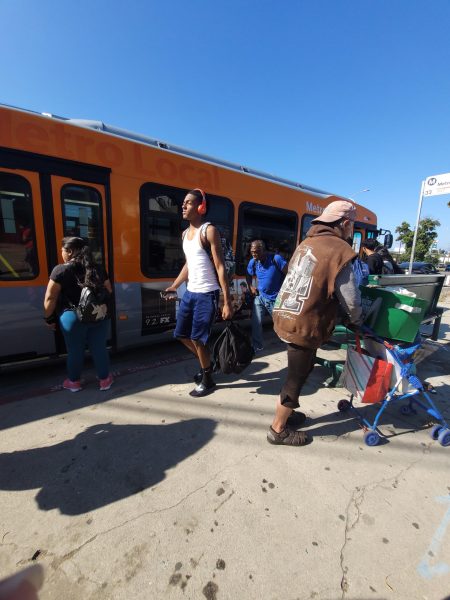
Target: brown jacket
x,y
306,307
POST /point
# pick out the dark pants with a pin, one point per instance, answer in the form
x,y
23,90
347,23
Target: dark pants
x,y
300,364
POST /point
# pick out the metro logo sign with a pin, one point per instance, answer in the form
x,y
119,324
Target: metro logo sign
x,y
314,208
432,186
437,185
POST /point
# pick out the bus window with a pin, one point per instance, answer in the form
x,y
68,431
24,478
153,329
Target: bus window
x,y
357,239
161,251
82,217
221,214
18,256
306,224
277,227
161,226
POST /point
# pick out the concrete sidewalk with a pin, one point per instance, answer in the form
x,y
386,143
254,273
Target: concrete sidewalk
x,y
144,492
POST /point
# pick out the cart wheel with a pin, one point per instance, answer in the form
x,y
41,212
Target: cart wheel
x,y
407,410
435,430
444,437
371,438
343,405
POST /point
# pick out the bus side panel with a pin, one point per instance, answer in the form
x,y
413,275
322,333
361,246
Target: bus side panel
x,y
141,313
21,323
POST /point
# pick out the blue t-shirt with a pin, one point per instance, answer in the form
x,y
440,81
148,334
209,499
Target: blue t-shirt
x,y
269,274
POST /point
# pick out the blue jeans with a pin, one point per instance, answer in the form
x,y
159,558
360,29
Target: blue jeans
x,y
76,336
261,306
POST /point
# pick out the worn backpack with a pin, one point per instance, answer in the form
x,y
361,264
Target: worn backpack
x,y
232,351
93,305
227,251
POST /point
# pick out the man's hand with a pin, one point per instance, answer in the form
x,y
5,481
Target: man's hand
x,y
227,311
170,293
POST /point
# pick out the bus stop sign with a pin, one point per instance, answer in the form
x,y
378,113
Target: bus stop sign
x,y
436,185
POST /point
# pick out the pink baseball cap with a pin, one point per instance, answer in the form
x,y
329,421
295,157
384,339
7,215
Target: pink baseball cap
x,y
336,210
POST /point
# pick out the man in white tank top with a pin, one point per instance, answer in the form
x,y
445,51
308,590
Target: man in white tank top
x,y
205,276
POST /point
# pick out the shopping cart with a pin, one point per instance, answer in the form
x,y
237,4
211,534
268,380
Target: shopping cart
x,y
413,390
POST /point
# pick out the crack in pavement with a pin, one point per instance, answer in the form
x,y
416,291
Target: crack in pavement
x,y
223,502
356,500
57,562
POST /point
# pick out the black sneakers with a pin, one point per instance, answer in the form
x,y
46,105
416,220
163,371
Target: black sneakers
x,y
203,388
198,377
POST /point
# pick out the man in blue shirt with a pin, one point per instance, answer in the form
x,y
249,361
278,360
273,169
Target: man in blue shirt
x,y
269,269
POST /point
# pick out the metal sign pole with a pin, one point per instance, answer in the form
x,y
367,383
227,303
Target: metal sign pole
x,y
411,260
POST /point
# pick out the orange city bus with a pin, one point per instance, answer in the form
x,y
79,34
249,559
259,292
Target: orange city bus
x,y
123,192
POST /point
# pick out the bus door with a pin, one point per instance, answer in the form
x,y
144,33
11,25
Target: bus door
x,y
23,268
80,210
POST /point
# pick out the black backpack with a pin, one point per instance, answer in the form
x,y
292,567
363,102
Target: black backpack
x,y
93,305
227,251
232,351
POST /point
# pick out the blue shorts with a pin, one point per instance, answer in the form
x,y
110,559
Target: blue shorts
x,y
196,315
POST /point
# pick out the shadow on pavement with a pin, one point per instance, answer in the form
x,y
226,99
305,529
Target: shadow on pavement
x,y
103,464
53,402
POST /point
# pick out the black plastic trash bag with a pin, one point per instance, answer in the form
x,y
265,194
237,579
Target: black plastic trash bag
x,y
232,351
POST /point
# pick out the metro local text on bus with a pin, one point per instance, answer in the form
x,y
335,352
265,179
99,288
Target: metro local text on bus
x,y
55,139
314,208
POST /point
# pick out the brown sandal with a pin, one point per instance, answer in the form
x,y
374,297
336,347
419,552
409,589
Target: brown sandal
x,y
287,437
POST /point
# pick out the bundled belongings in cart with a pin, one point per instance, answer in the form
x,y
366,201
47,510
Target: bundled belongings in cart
x,y
393,312
384,370
426,288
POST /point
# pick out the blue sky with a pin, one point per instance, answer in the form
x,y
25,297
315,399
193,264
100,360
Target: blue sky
x,y
342,95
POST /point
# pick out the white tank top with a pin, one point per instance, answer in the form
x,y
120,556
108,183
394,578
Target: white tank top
x,y
202,275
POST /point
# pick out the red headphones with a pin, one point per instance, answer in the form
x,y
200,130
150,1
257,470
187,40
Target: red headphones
x,y
201,207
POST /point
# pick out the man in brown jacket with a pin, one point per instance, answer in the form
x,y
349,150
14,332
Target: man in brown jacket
x,y
319,279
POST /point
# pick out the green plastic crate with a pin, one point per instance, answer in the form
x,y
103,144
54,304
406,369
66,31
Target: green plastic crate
x,y
391,315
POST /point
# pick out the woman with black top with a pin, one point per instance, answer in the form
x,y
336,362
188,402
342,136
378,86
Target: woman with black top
x,y
62,298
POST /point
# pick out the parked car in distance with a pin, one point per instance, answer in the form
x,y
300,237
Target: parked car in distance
x,y
420,268
447,267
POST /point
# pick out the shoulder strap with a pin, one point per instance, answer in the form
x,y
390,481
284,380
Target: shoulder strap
x,y
203,239
202,230
274,262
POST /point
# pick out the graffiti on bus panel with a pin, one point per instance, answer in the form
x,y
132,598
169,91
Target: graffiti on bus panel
x,y
158,314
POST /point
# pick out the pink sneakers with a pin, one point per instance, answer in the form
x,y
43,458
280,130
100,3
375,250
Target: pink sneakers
x,y
72,386
75,386
105,384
